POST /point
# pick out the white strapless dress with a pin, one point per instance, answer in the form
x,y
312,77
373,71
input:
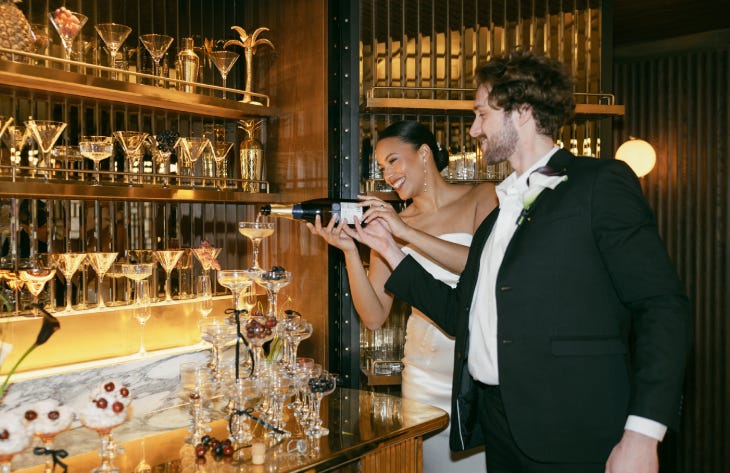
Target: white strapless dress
x,y
428,368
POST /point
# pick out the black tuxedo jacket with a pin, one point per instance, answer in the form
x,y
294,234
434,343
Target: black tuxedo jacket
x,y
593,322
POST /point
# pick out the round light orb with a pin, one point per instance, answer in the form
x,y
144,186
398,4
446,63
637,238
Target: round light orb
x,y
638,154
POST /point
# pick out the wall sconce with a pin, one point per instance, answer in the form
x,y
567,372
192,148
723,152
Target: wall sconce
x,y
638,154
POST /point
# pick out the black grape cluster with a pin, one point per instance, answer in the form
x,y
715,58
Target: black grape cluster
x,y
321,384
166,140
277,272
221,449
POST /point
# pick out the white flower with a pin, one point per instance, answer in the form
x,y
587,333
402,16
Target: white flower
x,y
539,180
5,349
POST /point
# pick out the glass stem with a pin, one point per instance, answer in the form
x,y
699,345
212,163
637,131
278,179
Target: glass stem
x,y
100,292
69,306
168,294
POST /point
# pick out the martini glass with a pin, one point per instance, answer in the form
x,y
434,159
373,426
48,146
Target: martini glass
x,y
45,133
224,61
97,149
256,232
193,148
156,45
68,24
168,260
205,256
68,264
15,138
113,35
273,282
220,151
101,262
131,142
35,280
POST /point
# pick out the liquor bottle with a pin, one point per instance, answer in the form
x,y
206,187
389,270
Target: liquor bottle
x,y
326,208
187,65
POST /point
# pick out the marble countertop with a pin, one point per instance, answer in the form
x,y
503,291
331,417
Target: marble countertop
x,y
359,421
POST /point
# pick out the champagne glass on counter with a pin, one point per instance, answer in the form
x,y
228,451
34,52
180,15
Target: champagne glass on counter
x,y
45,133
97,149
157,45
68,264
168,260
224,61
101,262
113,35
256,232
68,24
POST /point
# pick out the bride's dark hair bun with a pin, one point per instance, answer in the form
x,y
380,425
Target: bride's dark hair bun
x,y
416,134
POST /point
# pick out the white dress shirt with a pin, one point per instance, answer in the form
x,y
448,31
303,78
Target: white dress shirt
x,y
482,357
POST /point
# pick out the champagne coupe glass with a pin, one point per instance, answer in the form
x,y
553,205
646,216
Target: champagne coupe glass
x,y
113,35
168,259
320,387
224,61
273,282
35,280
302,372
205,256
279,387
97,149
193,148
45,133
68,264
295,330
241,391
131,142
68,24
236,280
156,45
16,438
138,272
218,334
256,232
220,151
101,262
258,330
197,385
205,295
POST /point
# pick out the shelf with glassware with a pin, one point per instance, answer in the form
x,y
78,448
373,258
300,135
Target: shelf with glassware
x,y
94,82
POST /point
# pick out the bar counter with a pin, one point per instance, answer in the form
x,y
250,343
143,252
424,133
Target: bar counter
x,y
381,432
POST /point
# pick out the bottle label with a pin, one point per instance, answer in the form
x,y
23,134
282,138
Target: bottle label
x,y
347,211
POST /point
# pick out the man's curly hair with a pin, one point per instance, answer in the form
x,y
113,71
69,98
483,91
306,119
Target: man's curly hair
x,y
520,78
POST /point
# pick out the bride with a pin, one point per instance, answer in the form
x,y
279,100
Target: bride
x,y
436,228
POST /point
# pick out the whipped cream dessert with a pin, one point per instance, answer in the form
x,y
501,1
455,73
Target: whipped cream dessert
x,y
14,436
48,418
107,407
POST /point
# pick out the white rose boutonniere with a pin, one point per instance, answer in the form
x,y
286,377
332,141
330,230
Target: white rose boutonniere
x,y
540,179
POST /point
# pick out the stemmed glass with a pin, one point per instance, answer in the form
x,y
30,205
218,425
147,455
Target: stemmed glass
x,y
257,331
193,148
45,133
241,391
197,385
296,329
205,256
218,334
273,282
5,122
256,232
97,149
168,259
131,142
103,416
142,298
15,283
68,264
35,280
101,262
236,280
15,139
224,61
205,295
47,419
220,151
319,387
17,438
156,45
68,24
113,35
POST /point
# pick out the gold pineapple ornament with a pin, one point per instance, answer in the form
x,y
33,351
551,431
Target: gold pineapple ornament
x,y
249,43
251,153
15,30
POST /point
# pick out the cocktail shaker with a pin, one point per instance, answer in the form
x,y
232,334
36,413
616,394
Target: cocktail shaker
x,y
187,65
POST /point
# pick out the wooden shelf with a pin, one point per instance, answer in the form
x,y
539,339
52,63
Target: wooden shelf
x,y
64,83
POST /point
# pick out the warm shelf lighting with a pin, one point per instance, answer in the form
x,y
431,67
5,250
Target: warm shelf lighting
x,y
638,154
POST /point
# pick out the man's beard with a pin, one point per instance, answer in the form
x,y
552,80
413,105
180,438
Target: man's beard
x,y
502,146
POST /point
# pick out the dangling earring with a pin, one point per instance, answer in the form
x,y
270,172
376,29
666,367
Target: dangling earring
x,y
425,176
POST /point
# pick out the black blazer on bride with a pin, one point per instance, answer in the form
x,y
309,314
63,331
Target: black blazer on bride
x,y
593,322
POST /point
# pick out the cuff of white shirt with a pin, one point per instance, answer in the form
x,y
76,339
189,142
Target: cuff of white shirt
x,y
646,427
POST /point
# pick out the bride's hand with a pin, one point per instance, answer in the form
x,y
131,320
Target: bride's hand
x,y
378,209
333,234
377,236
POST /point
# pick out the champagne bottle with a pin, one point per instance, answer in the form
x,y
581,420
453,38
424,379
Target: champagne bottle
x,y
327,209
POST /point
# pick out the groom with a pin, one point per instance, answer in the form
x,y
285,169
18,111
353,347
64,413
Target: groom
x,y
571,325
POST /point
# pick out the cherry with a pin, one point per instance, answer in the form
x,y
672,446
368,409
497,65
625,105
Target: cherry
x,y
124,391
227,450
200,450
31,415
200,460
101,403
117,407
53,415
4,435
109,387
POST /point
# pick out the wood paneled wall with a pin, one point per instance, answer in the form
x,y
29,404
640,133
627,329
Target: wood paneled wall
x,y
680,103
